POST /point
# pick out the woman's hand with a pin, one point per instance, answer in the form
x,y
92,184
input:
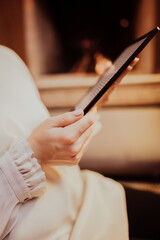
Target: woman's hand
x,y
61,140
103,64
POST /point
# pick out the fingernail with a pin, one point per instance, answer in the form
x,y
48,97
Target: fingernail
x,y
78,112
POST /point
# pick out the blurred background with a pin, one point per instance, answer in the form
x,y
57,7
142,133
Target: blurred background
x,y
62,43
67,36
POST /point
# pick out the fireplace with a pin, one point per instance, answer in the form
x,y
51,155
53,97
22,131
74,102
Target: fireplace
x,y
86,29
75,33
69,36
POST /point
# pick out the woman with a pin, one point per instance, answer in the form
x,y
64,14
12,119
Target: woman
x,y
60,201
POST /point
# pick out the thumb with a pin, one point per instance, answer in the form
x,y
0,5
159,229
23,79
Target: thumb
x,y
68,118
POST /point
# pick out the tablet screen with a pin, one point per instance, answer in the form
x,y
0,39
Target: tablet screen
x,y
110,76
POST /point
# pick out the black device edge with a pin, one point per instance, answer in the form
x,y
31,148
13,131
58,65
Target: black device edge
x,y
149,36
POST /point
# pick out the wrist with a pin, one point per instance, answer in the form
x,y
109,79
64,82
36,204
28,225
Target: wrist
x,y
32,145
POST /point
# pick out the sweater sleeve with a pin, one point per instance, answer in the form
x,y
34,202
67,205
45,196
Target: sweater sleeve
x,y
21,179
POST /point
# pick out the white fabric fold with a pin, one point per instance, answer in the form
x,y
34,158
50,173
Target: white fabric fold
x,y
33,176
21,179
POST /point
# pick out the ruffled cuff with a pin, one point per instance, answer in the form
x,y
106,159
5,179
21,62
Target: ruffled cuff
x,y
24,172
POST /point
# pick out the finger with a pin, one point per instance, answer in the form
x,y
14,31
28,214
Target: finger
x,y
67,118
130,67
109,91
64,161
102,66
71,156
86,143
134,62
80,154
127,70
77,147
59,162
88,139
69,151
79,127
